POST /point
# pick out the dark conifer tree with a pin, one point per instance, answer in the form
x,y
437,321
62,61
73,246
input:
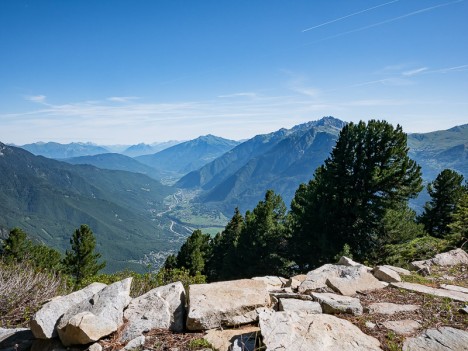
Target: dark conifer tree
x,y
445,191
17,246
368,172
223,263
263,240
81,261
194,253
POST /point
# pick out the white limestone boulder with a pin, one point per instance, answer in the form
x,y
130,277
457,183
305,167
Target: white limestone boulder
x,y
45,320
299,306
402,327
293,331
162,307
389,308
104,309
334,304
386,274
273,282
225,303
346,280
441,339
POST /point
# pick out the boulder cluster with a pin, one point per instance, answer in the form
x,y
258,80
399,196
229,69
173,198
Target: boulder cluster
x,y
299,313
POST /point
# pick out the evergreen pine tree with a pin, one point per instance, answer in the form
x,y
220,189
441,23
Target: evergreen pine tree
x,y
368,172
459,225
263,240
445,192
194,253
17,246
223,263
81,261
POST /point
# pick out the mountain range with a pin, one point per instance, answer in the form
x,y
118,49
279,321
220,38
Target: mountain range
x,y
133,214
280,161
188,156
442,149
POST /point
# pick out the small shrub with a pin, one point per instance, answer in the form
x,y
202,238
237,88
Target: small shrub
x,y
23,289
198,343
415,250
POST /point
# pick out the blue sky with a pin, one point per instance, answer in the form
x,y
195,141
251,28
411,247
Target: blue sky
x,y
123,72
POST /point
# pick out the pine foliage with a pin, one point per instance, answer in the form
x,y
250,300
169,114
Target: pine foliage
x,y
81,261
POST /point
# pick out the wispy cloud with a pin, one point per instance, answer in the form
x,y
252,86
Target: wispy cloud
x,y
299,83
414,72
36,98
236,95
450,69
122,98
413,13
347,16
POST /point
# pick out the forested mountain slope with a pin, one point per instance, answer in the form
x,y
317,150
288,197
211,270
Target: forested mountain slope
x,y
49,199
114,161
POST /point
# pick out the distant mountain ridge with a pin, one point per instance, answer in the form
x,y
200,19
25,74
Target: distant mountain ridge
x,y
280,160
146,149
117,162
190,155
56,150
441,149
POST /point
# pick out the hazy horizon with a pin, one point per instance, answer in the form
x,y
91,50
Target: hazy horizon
x,y
126,72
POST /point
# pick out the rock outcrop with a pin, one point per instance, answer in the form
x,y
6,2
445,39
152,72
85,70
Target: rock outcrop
x,y
442,339
308,312
225,303
294,331
99,316
446,259
162,307
346,280
335,304
386,274
453,295
45,320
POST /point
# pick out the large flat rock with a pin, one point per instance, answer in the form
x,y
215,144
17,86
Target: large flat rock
x,y
225,303
45,320
446,259
441,339
299,306
333,303
399,270
402,327
450,258
273,282
386,274
293,331
454,295
390,308
346,280
162,307
454,288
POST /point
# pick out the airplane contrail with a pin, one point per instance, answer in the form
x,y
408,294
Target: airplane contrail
x,y
392,19
350,15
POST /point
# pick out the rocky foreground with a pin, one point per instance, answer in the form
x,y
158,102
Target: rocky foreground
x,y
343,306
